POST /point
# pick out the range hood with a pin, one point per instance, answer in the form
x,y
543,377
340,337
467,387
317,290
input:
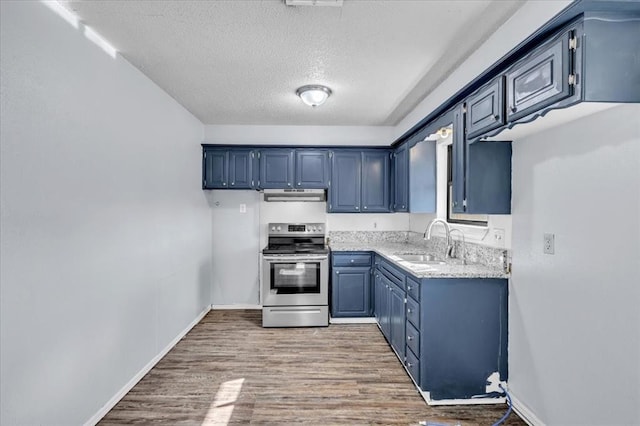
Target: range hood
x,y
295,195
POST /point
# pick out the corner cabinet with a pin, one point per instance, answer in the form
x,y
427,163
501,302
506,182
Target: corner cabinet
x,y
351,284
360,181
228,168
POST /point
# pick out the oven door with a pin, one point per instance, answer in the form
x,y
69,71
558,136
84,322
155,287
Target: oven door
x,y
295,280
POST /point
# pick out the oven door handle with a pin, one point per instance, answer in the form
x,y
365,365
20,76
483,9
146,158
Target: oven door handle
x,y
296,259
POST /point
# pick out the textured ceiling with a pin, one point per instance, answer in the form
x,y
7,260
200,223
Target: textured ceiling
x,y
240,62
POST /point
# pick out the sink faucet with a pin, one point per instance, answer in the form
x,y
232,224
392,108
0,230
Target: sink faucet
x,y
464,246
427,234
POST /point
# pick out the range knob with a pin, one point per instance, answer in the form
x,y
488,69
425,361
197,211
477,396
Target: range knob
x,y
273,228
313,229
319,228
278,229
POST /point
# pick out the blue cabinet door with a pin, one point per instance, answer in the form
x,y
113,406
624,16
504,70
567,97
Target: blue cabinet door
x,y
215,169
350,293
375,181
401,179
481,173
540,79
276,168
397,319
241,169
312,169
344,193
458,163
382,305
485,109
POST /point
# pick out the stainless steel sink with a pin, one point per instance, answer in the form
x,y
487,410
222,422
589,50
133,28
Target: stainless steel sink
x,y
422,259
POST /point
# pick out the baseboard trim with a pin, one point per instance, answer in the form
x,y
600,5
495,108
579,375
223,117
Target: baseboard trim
x,y
135,379
525,412
369,320
225,307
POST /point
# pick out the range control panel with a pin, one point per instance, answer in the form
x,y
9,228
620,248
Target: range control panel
x,y
296,229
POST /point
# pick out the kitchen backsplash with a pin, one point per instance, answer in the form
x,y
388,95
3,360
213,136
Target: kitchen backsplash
x,y
475,253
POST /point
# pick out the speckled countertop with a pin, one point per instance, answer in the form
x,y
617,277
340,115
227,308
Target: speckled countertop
x,y
452,269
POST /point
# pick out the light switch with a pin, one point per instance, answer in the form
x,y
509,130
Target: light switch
x,y
243,208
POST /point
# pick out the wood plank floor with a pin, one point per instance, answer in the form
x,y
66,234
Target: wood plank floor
x,y
230,370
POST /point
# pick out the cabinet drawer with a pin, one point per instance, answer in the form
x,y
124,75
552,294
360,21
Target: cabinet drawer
x,y
352,259
413,366
413,288
413,312
413,338
392,273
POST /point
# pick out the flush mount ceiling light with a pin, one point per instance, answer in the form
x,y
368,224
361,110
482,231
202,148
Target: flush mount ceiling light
x,y
313,95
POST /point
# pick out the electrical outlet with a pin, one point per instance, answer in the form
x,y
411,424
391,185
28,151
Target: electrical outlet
x,y
548,246
243,208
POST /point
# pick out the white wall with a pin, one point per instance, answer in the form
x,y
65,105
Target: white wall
x,y
574,321
298,135
106,234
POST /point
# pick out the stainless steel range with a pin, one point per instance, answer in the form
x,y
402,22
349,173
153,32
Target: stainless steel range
x,y
295,276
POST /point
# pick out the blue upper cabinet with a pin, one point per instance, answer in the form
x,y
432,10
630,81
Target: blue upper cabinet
x,y
216,169
228,168
401,179
485,109
375,181
346,175
276,168
241,169
312,168
481,173
540,79
360,181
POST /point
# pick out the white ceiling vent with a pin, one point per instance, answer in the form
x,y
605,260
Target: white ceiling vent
x,y
332,3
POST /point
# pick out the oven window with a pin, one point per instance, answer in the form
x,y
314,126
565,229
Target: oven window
x,y
295,277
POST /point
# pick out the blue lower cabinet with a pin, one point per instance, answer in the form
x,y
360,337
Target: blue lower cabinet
x,y
450,333
351,292
381,304
350,296
463,336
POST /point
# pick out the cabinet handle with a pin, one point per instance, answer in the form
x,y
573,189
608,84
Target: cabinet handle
x,y
337,272
289,184
403,206
408,288
233,183
299,184
409,365
224,183
408,310
513,109
365,207
357,208
409,338
352,260
496,118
